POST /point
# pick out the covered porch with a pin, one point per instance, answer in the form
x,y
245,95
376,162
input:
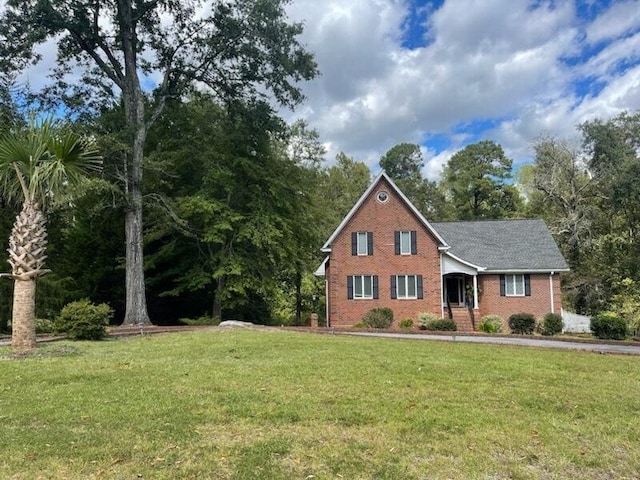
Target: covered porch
x,y
460,291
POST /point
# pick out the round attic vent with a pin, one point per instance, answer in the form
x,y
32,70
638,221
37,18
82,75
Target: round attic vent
x,y
382,197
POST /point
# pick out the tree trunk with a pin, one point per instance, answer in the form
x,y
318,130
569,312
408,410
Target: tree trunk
x,y
24,315
136,303
217,298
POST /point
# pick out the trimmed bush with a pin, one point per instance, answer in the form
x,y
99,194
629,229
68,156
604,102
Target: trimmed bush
x,y
82,320
491,324
442,325
381,317
551,324
406,324
425,319
522,323
609,326
44,325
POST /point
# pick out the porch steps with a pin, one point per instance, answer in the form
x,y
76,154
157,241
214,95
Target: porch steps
x,y
462,319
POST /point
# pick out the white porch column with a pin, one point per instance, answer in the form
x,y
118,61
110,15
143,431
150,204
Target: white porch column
x,y
475,292
551,292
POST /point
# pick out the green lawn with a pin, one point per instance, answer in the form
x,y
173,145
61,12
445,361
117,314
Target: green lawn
x,y
285,405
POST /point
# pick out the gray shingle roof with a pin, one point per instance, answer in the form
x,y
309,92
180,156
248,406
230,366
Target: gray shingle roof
x,y
503,245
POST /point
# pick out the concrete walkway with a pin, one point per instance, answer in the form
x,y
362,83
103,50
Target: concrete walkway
x,y
623,349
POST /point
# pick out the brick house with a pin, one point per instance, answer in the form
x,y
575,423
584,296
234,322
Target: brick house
x,y
385,253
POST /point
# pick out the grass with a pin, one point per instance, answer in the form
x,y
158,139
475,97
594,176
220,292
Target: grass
x,y
286,405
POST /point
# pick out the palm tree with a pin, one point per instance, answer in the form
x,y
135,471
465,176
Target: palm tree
x,y
39,163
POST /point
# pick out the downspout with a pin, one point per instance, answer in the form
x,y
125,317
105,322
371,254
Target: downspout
x,y
551,292
441,289
326,303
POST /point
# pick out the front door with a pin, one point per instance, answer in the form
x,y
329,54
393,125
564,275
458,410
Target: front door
x,y
454,291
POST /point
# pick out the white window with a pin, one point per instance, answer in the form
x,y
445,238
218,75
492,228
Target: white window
x,y
363,243
363,286
407,286
405,243
514,285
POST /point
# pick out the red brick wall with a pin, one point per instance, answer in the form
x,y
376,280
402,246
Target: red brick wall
x,y
383,219
538,304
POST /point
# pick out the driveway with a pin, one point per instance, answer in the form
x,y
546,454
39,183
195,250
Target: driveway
x,y
624,349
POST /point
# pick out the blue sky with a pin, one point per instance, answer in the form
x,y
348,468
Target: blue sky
x,y
446,73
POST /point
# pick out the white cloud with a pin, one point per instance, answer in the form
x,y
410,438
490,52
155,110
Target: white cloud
x,y
504,61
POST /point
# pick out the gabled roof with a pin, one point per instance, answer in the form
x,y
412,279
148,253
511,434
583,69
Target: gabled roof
x,y
382,175
504,245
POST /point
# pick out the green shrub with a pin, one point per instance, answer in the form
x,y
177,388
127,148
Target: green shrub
x,y
442,325
522,323
609,326
425,319
381,317
44,325
551,324
491,324
82,320
406,324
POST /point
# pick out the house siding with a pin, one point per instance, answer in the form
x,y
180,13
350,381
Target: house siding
x,y
383,219
538,304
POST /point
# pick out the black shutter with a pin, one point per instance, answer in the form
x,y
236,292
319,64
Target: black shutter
x,y
419,286
354,243
394,287
396,241
414,243
350,287
503,286
375,287
527,285
369,243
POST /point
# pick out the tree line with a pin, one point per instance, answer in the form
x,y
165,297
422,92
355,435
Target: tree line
x,y
209,205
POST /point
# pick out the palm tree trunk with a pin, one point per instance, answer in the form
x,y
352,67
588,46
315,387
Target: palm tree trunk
x,y
24,315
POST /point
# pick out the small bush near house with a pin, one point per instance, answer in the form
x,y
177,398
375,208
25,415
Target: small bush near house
x,y
381,317
551,324
609,326
522,323
491,324
82,320
442,325
406,324
425,319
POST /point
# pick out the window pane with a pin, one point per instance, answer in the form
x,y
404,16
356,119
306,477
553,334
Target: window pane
x,y
519,284
405,242
411,286
402,287
357,287
368,285
509,284
362,243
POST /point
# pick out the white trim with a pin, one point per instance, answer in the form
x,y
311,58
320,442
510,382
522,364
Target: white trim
x,y
515,271
464,262
322,269
475,292
382,175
